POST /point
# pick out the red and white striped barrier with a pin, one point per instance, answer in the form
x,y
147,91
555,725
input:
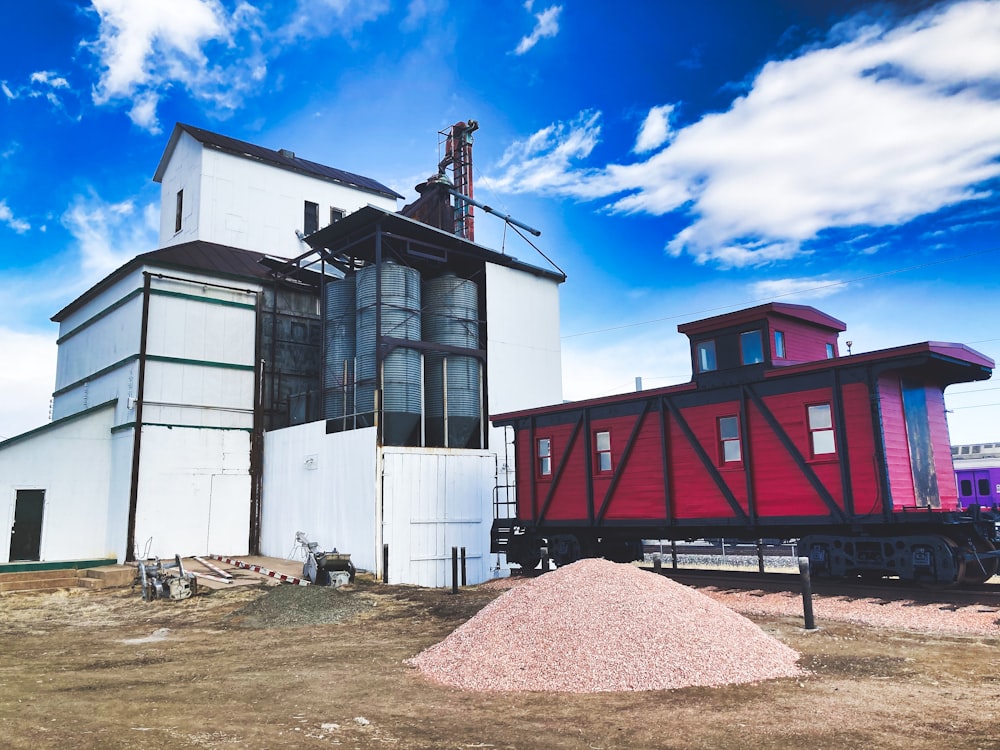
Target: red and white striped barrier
x,y
214,568
262,570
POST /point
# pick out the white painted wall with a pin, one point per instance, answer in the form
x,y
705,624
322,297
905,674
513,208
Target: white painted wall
x,y
71,461
194,492
323,485
435,499
245,203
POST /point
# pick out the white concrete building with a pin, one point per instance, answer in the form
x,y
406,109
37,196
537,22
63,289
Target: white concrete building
x,y
191,411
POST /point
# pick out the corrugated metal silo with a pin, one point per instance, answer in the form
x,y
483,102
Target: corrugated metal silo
x,y
338,362
452,381
400,318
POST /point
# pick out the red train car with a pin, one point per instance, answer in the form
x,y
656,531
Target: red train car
x,y
776,435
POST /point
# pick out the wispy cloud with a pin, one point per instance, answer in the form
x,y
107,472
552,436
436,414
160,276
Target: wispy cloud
x,y
110,234
880,125
546,27
143,49
656,129
42,84
7,217
319,18
801,288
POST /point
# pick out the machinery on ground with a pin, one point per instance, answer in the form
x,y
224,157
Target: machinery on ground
x,y
325,568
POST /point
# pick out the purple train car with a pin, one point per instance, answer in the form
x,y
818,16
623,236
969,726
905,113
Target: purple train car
x,y
979,486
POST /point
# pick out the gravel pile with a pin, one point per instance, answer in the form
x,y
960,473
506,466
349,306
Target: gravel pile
x,y
287,605
597,626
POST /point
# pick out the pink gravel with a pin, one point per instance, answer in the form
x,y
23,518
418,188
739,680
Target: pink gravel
x,y
597,626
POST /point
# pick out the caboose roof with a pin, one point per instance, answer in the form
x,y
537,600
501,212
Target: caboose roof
x,y
802,313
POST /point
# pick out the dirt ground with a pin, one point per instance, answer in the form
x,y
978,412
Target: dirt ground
x,y
283,666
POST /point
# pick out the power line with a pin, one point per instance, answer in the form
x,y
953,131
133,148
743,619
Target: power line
x,y
819,287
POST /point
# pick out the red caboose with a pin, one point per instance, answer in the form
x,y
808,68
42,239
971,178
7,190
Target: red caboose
x,y
776,435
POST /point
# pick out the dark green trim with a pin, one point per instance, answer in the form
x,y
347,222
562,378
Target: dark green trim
x,y
157,293
94,375
196,427
151,358
103,313
131,426
57,423
199,298
29,567
198,362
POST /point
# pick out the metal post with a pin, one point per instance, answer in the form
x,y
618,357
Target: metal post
x,y
463,566
385,563
760,555
454,570
807,602
657,564
673,554
545,559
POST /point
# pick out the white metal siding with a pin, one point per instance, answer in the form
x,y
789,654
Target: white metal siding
x,y
245,203
322,485
433,500
72,463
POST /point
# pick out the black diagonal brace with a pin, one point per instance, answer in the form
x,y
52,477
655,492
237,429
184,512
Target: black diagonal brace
x,y
707,463
559,470
796,455
620,469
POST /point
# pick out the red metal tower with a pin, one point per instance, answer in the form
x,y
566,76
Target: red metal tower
x,y
458,156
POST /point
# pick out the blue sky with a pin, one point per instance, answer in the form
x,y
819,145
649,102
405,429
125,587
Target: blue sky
x,y
681,159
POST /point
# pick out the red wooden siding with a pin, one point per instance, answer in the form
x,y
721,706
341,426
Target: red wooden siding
x,y
803,341
639,492
941,440
897,451
695,493
861,444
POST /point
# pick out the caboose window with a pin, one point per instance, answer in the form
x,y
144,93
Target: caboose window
x,y
821,429
751,347
545,457
602,450
779,344
705,352
729,439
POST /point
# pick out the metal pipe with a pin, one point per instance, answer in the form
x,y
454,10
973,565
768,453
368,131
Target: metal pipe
x,y
133,497
506,217
807,602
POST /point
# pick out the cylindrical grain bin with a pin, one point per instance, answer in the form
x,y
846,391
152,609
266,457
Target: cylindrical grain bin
x,y
339,348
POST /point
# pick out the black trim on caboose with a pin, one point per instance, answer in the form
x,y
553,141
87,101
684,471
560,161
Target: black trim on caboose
x,y
620,468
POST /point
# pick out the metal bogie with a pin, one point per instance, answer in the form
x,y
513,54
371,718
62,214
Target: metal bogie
x,y
926,558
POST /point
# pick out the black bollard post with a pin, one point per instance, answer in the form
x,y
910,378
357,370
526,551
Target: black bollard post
x,y
657,564
385,563
545,559
673,554
454,570
760,555
463,566
807,600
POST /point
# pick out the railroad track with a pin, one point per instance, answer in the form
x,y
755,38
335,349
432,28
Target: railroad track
x,y
887,589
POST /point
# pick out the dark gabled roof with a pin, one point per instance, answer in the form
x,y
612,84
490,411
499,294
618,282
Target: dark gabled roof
x,y
282,159
802,313
219,260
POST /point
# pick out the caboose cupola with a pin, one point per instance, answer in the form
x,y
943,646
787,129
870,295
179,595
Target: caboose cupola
x,y
734,346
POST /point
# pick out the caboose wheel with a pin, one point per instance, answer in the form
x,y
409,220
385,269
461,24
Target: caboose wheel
x,y
981,570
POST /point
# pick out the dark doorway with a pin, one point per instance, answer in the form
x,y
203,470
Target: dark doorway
x,y
26,533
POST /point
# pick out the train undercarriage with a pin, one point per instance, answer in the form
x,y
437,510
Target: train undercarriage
x,y
960,550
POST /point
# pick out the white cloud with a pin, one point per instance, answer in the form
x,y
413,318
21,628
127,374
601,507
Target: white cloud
x,y
144,48
546,27
655,130
800,288
880,126
315,18
50,79
27,380
110,234
7,217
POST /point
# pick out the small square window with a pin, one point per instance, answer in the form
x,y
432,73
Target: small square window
x,y
705,354
602,452
179,216
821,429
336,214
751,347
310,219
545,457
779,344
729,440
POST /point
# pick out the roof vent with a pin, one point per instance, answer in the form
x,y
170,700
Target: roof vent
x,y
286,153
